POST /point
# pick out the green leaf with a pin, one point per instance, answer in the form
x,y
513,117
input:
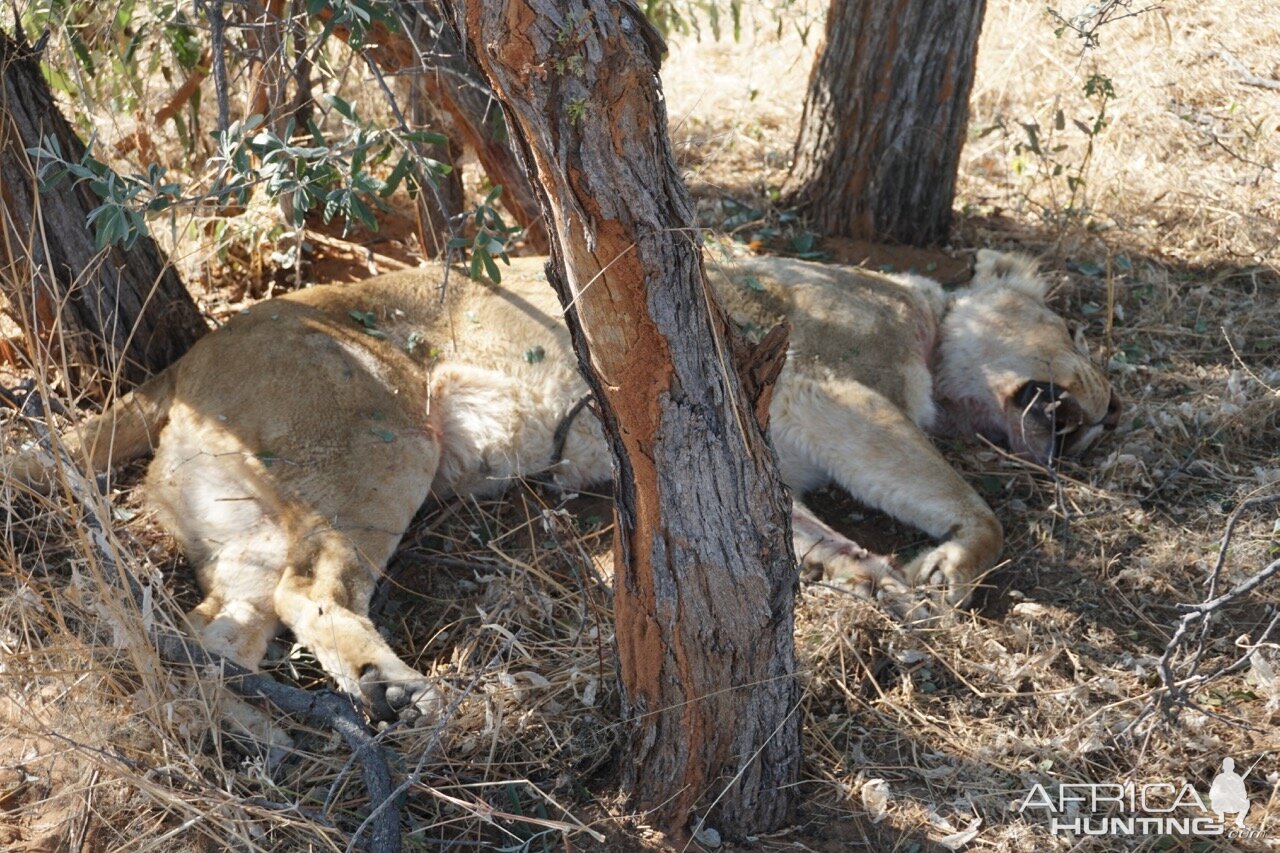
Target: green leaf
x,y
1088,268
183,42
990,485
343,108
103,226
363,213
1033,136
81,51
491,269
397,175
426,137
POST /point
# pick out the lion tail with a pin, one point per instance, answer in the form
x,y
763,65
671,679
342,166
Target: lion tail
x,y
127,430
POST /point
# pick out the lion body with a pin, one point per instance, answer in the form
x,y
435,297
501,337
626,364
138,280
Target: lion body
x,y
294,445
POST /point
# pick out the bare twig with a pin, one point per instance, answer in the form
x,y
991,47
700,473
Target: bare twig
x,y
455,226
1247,77
1228,532
217,33
1087,24
1175,691
140,139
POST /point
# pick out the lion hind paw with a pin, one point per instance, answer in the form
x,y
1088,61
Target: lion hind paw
x,y
410,700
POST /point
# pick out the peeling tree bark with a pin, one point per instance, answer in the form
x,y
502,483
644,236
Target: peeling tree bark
x,y
885,118
706,577
113,315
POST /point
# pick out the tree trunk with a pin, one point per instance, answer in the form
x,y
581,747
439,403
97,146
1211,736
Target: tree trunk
x,y
706,578
111,315
452,83
885,118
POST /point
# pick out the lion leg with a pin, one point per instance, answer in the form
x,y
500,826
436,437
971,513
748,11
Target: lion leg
x,y
864,443
324,601
240,630
824,552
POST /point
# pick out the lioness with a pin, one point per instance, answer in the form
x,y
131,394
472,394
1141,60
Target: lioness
x,y
294,445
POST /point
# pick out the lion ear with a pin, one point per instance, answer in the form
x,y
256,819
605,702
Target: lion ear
x,y
1009,269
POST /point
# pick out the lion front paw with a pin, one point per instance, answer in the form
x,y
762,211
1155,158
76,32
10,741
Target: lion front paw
x,y
410,700
948,570
867,575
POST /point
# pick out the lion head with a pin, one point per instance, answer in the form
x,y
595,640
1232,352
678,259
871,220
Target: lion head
x,y
1010,371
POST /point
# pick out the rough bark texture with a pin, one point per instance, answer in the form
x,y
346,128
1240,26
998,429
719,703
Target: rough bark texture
x,y
884,119
451,81
705,578
114,314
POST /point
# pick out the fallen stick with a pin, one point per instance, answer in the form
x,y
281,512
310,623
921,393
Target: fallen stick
x,y
325,708
1173,691
1247,77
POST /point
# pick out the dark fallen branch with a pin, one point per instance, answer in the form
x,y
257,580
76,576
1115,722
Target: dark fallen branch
x,y
29,402
324,708
414,778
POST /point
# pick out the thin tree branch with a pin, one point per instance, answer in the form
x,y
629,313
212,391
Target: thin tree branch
x,y
1175,691
218,33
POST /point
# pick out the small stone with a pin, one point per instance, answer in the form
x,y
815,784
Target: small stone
x,y
707,837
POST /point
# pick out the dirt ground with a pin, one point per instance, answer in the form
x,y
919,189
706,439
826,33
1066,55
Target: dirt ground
x,y
917,737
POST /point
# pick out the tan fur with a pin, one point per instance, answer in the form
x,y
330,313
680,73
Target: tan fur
x,y
295,444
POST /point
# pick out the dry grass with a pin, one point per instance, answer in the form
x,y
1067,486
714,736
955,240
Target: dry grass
x,y
936,729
